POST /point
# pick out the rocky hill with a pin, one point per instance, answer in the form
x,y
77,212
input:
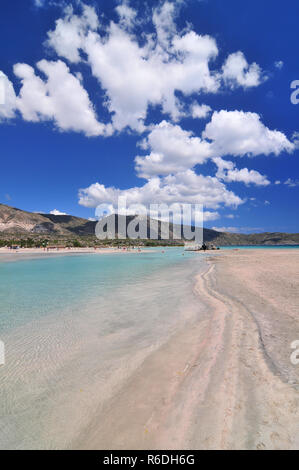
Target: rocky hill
x,y
16,223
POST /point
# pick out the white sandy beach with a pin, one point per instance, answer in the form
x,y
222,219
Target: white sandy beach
x,y
226,381
219,377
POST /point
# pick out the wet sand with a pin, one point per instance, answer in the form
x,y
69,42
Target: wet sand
x,y
224,382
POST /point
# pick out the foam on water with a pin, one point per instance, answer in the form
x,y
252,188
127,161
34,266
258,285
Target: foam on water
x,y
75,328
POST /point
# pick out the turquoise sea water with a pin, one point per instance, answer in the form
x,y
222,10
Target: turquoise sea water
x,y
75,328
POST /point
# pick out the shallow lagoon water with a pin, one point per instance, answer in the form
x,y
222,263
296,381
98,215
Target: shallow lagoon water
x,y
75,328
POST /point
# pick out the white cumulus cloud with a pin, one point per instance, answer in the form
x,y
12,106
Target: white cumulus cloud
x,y
172,150
57,212
134,71
237,71
68,37
136,75
60,97
200,111
228,172
127,15
184,187
165,68
7,98
239,133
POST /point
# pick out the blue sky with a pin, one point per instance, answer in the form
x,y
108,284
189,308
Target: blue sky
x,y
158,101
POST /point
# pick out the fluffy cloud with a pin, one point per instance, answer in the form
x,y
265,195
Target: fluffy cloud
x,y
238,133
163,20
173,154
200,111
246,176
235,133
172,150
291,183
229,173
134,71
57,212
60,98
127,15
185,187
208,215
237,72
136,75
7,98
69,35
159,68
226,229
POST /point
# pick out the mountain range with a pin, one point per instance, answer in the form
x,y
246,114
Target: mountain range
x,y
18,224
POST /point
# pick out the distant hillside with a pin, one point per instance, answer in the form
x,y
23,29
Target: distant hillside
x,y
229,239
15,223
18,223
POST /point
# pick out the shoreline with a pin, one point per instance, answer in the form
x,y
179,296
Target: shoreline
x,y
39,253
224,382
86,343
220,378
254,384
